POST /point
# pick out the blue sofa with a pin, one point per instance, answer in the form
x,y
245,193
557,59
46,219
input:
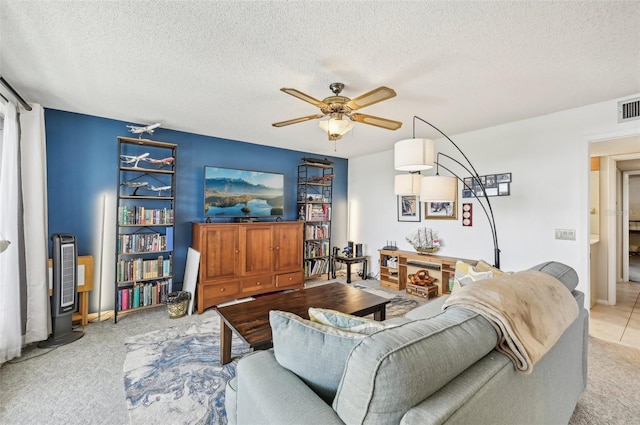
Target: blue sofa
x,y
432,367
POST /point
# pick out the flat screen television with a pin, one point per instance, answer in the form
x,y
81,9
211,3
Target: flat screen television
x,y
234,193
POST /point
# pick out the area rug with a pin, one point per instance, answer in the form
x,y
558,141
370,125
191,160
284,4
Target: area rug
x,y
398,304
173,376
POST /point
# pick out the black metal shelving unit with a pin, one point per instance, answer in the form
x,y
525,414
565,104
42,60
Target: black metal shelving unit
x,y
145,217
315,189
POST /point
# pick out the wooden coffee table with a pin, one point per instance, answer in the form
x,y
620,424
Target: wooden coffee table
x,y
250,320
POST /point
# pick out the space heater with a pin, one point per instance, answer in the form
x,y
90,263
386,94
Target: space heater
x,y
65,291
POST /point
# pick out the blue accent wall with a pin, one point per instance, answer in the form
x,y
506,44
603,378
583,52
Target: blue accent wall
x,y
82,161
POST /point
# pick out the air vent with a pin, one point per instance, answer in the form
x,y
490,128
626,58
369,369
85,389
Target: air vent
x,y
629,110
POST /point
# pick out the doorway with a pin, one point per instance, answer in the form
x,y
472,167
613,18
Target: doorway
x,y
615,247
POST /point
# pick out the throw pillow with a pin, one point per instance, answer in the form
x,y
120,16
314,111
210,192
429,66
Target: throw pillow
x,y
484,266
344,321
466,273
314,352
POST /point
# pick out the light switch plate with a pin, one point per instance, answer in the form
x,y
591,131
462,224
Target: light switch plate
x,y
566,234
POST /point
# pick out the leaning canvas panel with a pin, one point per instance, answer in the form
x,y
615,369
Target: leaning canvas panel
x,y
191,275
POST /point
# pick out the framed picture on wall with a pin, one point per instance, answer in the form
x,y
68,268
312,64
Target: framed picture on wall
x,y
408,208
442,210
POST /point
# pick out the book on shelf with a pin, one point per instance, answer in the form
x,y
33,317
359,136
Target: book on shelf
x,y
136,269
139,215
316,249
144,294
317,231
316,266
138,242
169,238
315,212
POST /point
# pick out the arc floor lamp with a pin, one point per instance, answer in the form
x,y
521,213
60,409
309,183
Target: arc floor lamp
x,y
415,155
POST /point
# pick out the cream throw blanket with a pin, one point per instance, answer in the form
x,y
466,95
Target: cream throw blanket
x,y
529,310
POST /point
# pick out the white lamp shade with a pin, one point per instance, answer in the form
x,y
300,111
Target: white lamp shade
x,y
335,128
438,189
407,184
413,154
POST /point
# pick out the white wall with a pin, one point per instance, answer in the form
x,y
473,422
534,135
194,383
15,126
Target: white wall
x,y
548,157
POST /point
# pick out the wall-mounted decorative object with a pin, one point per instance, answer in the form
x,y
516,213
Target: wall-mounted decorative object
x,y
408,208
444,210
467,214
494,185
441,210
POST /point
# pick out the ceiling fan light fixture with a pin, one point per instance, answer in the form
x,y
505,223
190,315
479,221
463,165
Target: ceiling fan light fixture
x,y
335,128
337,106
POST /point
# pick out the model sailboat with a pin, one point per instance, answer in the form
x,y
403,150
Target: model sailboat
x,y
424,240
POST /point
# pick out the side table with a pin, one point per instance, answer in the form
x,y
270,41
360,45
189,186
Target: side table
x,y
349,261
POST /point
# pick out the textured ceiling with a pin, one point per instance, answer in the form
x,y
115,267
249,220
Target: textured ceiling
x,y
216,67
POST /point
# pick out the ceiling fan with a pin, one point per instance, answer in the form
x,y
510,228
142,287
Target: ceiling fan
x,y
337,106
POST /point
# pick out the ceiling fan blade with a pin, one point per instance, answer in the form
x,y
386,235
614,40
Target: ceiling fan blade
x,y
377,121
374,96
297,120
305,97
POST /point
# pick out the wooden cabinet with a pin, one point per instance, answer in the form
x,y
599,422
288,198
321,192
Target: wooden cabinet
x,y
396,266
238,260
288,246
220,263
257,253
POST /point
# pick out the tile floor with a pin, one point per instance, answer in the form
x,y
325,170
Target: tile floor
x,y
619,323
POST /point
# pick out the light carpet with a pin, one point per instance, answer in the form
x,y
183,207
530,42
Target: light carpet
x,y
613,387
173,376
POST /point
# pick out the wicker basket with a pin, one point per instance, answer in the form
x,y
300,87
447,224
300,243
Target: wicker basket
x,y
177,304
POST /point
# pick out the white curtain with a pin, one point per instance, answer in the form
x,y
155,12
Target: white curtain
x,y
10,318
24,302
34,199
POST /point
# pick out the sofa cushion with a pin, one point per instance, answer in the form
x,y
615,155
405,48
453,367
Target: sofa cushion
x,y
344,321
565,274
231,400
428,309
483,265
315,352
466,273
394,369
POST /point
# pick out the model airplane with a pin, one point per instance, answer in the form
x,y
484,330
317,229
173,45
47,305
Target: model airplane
x,y
159,189
141,130
133,159
135,185
162,162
